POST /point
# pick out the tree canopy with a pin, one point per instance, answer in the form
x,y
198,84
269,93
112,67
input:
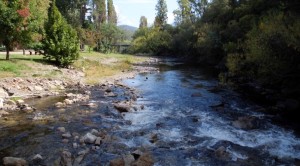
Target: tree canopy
x,y
13,23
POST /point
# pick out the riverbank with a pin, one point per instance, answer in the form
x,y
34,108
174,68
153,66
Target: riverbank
x,y
29,87
29,76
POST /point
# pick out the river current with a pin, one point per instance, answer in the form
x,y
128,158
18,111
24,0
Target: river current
x,y
183,118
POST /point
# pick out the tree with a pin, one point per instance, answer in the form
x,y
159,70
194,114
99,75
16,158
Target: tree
x,y
143,22
110,34
74,11
183,14
60,41
99,12
111,13
13,22
36,22
161,14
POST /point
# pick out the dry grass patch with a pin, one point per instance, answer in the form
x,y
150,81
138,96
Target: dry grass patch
x,y
98,66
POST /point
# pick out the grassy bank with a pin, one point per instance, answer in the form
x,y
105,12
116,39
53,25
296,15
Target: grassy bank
x,y
18,65
96,66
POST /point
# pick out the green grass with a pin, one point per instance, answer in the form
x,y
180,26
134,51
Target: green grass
x,y
12,67
17,65
96,66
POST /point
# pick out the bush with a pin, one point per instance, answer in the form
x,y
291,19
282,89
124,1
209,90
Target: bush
x,y
61,42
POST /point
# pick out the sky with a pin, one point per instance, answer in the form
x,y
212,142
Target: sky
x,y
130,11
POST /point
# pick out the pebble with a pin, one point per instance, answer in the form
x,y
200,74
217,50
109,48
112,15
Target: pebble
x,y
37,157
75,145
98,141
89,138
61,129
66,135
65,141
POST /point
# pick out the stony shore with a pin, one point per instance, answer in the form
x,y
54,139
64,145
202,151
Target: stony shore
x,y
15,91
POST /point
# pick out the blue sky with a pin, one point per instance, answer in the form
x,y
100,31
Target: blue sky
x,y
130,11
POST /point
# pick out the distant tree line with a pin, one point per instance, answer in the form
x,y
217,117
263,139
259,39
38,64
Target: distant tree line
x,y
248,40
58,27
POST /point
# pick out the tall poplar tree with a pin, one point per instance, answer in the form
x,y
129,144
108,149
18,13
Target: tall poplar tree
x,y
99,12
143,22
111,12
161,14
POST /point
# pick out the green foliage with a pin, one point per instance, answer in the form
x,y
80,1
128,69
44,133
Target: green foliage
x,y
61,41
99,12
111,13
183,14
74,11
143,22
151,40
110,35
13,15
161,17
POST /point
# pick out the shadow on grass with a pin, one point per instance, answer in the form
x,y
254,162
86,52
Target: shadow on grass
x,y
30,59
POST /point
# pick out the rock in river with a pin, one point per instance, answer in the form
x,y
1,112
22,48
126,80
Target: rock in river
x,y
66,135
122,107
61,129
89,138
13,161
66,158
246,123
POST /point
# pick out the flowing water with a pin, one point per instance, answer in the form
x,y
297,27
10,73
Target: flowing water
x,y
183,118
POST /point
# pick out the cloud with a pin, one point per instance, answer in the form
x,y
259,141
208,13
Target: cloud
x,y
123,19
171,17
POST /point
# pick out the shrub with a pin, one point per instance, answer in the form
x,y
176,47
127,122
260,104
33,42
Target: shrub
x,y
61,42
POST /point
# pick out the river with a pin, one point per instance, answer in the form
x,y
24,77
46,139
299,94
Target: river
x,y
183,117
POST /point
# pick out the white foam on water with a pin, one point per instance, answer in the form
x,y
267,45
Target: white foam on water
x,y
276,141
174,134
137,142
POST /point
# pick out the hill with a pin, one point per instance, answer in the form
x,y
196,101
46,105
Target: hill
x,y
128,28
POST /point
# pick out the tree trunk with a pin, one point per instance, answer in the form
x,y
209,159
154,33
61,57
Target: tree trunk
x,y
7,52
23,51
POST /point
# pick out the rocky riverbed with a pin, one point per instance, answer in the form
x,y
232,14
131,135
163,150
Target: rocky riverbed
x,y
173,114
47,102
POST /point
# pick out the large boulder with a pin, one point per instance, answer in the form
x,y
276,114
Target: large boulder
x,y
14,161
